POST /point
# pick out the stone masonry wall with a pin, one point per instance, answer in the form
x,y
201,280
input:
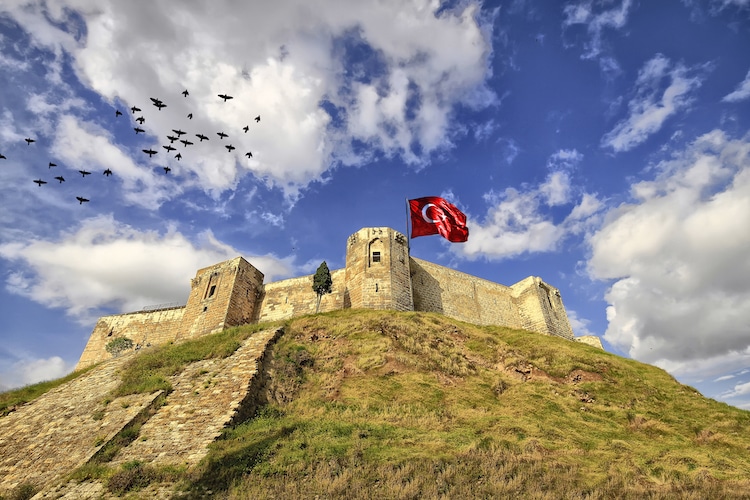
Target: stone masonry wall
x,y
148,327
295,297
462,296
48,438
541,308
65,427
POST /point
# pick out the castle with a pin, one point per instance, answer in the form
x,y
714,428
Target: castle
x,y
379,274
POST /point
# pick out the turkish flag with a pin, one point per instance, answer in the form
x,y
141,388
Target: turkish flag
x,y
434,215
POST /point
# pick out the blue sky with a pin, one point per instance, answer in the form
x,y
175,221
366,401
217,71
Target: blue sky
x,y
601,145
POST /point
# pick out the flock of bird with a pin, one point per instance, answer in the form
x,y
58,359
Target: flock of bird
x,y
176,137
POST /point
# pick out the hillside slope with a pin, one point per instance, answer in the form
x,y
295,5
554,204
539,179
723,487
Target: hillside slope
x,y
407,405
379,404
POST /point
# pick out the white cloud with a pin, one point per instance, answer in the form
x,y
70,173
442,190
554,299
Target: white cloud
x,y
741,93
678,258
30,371
583,13
520,221
108,264
397,102
738,390
651,106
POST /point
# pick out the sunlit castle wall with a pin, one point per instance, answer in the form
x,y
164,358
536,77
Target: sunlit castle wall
x,y
379,274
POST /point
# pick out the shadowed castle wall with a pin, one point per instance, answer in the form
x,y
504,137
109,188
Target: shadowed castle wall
x,y
295,297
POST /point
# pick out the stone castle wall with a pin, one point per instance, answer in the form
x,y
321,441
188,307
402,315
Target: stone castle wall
x,y
379,274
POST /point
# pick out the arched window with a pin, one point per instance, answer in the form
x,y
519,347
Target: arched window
x,y
375,251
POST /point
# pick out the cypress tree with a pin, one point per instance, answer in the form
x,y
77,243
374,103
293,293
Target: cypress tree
x,y
322,283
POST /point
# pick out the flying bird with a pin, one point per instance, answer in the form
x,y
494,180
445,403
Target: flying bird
x,y
84,173
29,140
185,93
118,112
229,147
138,130
134,109
2,157
107,172
160,105
186,142
140,120
249,154
52,165
225,97
222,134
155,100
81,200
60,178
257,119
190,116
149,152
201,137
178,132
168,147
171,138
246,128
167,170
40,181
178,156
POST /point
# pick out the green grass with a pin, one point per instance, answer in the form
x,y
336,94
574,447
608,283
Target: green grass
x,y
367,404
378,404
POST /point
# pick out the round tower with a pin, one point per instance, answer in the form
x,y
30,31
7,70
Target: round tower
x,y
377,270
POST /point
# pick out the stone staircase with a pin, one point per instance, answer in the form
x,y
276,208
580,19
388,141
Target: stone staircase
x,y
61,430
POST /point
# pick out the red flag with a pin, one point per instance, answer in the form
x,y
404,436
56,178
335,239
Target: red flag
x,y
434,215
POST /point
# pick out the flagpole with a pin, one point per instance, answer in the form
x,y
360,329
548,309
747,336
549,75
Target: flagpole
x,y
408,237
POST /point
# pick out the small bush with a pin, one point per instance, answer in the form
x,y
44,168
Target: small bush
x,y
117,345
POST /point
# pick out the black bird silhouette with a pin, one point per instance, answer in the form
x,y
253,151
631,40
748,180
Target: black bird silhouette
x,y
230,147
185,93
171,138
225,97
168,147
155,100
84,173
178,132
60,178
134,109
118,112
40,181
107,172
81,200
140,120
246,128
249,154
186,142
138,130
29,140
52,165
149,152
257,119
2,157
222,134
178,156
167,170
160,105
190,116
201,137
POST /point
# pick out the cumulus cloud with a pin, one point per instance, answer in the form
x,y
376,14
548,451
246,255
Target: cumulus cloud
x,y
652,103
30,371
596,20
108,264
520,221
330,79
741,93
677,256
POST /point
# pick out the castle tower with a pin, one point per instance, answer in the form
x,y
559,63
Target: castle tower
x,y
541,308
377,270
222,295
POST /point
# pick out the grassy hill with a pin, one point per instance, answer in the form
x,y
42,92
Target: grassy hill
x,y
370,404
